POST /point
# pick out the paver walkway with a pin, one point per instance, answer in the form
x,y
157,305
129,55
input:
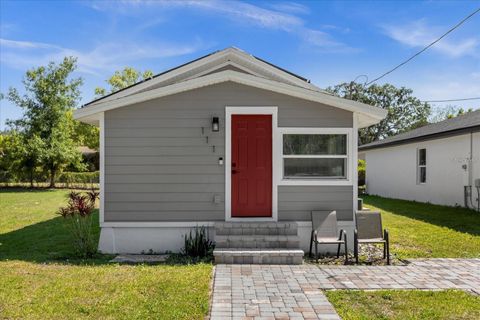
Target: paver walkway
x,y
295,292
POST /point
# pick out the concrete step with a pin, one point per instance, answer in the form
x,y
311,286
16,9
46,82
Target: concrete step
x,y
256,228
258,256
257,241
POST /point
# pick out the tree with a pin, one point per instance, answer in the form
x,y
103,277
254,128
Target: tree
x,y
447,112
20,156
122,79
404,110
88,135
50,96
85,134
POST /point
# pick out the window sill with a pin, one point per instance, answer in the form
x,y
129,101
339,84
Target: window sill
x,y
312,182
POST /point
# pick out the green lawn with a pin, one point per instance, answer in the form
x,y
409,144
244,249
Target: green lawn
x,y
41,279
419,230
402,305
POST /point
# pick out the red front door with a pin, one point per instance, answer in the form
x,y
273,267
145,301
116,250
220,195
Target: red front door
x,y
251,165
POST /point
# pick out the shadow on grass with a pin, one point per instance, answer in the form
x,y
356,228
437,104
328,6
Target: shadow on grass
x,y
8,189
456,218
44,242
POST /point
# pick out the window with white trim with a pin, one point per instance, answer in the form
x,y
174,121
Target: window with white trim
x,y
421,165
315,156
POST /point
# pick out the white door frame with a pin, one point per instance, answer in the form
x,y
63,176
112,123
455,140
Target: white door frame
x,y
234,110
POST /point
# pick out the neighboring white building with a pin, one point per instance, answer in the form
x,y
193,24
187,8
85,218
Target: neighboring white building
x,y
437,163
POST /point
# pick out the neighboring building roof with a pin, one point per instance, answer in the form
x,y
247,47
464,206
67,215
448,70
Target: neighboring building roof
x,y
229,65
467,122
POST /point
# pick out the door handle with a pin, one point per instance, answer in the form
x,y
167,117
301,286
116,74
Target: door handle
x,y
234,171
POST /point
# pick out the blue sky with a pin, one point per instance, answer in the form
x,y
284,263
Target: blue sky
x,y
327,42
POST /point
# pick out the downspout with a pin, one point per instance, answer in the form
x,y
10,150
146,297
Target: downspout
x,y
468,190
470,162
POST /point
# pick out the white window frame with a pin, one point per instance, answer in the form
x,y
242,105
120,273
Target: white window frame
x,y
421,166
348,180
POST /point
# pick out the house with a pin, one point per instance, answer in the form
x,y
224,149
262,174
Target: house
x,y
438,163
227,141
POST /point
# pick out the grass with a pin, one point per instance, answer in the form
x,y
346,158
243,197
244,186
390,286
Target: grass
x,y
41,278
420,230
396,304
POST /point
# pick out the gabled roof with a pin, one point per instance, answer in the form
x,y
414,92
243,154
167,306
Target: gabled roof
x,y
467,122
232,65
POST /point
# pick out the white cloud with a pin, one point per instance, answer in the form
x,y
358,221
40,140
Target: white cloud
x,y
14,44
448,85
323,40
419,34
290,7
283,17
104,57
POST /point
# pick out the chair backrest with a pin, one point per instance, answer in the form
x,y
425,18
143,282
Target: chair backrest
x,y
369,224
325,223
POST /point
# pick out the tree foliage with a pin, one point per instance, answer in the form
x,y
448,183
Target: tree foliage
x,y
85,134
88,135
122,79
404,110
46,128
447,112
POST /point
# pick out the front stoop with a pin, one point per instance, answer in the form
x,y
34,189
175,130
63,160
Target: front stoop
x,y
257,243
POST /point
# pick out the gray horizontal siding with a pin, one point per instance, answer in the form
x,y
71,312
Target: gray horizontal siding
x,y
212,188
163,169
179,196
154,206
296,202
197,160
195,215
165,178
159,151
165,142
160,167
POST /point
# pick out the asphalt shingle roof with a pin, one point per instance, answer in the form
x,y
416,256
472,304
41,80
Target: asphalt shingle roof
x,y
465,121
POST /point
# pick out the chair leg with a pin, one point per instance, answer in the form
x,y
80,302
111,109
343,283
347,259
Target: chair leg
x,y
355,247
338,250
388,251
346,249
311,242
384,250
316,251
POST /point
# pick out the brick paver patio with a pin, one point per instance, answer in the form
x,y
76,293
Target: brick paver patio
x,y
295,292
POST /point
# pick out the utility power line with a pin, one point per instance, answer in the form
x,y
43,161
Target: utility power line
x,y
424,49
450,100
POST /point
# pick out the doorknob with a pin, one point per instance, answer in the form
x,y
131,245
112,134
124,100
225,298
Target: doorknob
x,y
234,164
234,171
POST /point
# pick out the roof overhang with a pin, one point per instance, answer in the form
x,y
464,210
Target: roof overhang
x,y
367,115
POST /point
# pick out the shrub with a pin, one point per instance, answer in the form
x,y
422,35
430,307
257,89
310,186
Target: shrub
x,y
197,244
79,214
71,178
361,172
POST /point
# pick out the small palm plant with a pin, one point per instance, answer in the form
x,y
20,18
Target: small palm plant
x,y
79,214
197,244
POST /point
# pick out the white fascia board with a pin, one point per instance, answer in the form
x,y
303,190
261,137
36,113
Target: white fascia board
x,y
368,115
223,57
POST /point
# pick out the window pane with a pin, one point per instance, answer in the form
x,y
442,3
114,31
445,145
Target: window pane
x,y
311,144
422,157
423,174
314,167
